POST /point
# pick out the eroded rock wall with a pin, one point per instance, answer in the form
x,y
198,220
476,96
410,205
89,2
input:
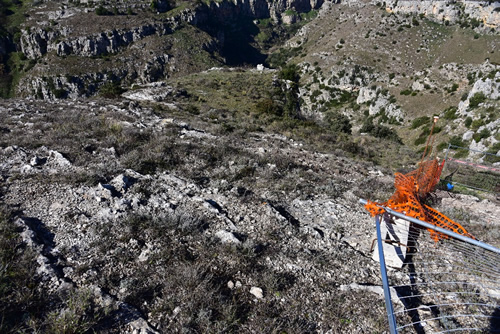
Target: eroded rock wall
x,y
487,12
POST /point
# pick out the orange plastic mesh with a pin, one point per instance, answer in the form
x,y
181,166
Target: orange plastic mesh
x,y
427,176
410,189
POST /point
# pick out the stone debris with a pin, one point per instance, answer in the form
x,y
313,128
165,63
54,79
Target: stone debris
x,y
257,292
227,237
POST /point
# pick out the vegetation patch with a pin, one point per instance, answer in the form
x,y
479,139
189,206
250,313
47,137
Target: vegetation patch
x,y
418,122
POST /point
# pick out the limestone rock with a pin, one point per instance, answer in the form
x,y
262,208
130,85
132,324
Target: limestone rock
x,y
257,292
227,237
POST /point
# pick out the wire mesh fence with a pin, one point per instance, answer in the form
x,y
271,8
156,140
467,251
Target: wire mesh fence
x,y
442,287
472,169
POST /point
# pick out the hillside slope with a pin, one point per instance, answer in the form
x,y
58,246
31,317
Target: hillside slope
x,y
196,166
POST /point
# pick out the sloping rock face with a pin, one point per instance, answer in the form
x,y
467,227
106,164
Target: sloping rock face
x,y
261,8
158,245
35,43
487,12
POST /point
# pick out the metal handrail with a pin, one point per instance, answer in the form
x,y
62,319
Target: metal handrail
x,y
438,229
385,280
391,314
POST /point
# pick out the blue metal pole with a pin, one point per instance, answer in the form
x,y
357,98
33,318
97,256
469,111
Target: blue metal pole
x,y
385,280
439,229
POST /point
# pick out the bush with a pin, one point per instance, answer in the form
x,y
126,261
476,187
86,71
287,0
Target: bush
x,y
457,141
291,102
60,93
442,146
367,125
102,11
290,72
485,133
338,123
420,140
476,124
417,122
379,131
468,121
268,106
111,90
453,88
154,5
450,113
476,100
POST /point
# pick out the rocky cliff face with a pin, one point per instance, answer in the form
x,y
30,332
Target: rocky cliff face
x,y
59,34
37,42
486,12
259,9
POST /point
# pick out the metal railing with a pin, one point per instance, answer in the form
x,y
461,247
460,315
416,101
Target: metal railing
x,y
467,175
446,286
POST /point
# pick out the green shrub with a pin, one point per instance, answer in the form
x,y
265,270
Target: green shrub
x,y
468,122
441,146
405,92
417,122
425,132
290,72
59,93
379,131
291,96
315,94
102,11
269,106
457,141
338,123
192,109
471,77
476,124
367,126
461,153
485,133
111,90
22,303
420,140
153,5
453,88
450,113
474,24
476,99
79,315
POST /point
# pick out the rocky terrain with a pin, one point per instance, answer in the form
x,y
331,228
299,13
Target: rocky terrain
x,y
229,229
154,179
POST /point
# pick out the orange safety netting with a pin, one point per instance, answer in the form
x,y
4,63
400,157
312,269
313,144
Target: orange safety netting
x,y
411,189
